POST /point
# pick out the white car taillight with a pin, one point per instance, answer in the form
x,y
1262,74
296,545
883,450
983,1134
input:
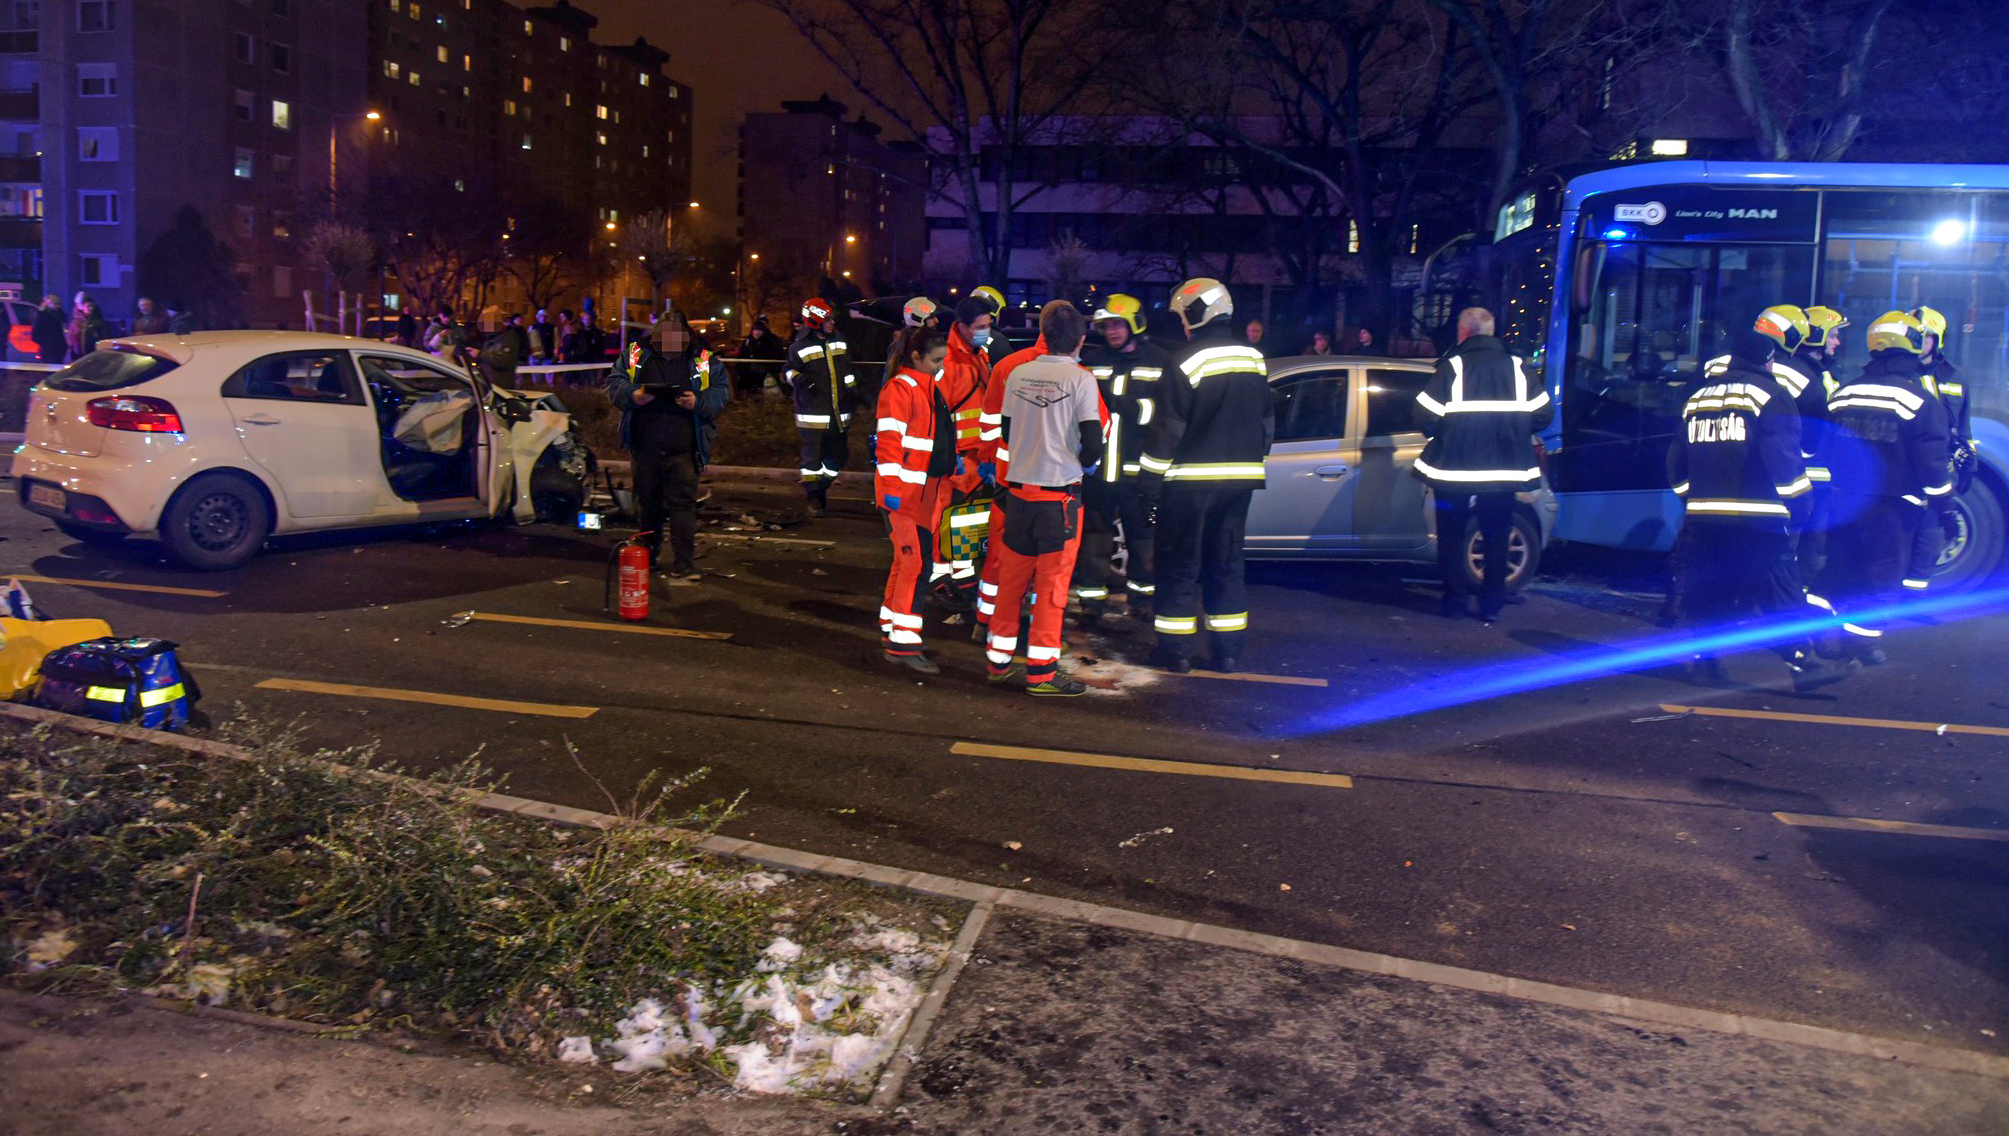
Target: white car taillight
x,y
132,412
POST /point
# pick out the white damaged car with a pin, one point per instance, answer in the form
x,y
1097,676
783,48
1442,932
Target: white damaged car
x,y
215,441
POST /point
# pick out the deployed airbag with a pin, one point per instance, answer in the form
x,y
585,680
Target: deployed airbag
x,y
432,425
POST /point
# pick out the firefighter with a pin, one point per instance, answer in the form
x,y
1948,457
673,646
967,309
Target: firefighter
x,y
1737,465
997,346
1052,423
1887,459
913,454
1944,381
819,371
1484,412
1128,369
1213,426
1816,356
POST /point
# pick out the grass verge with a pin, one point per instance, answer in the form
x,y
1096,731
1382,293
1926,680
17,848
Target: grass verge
x,y
289,886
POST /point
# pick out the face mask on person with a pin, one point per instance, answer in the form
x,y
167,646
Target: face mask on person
x,y
982,339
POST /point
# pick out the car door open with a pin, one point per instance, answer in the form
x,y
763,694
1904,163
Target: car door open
x,y
1306,505
433,435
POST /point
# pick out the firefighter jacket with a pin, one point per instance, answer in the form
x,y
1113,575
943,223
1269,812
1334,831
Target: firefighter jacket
x,y
1484,412
1810,367
1889,437
991,445
1945,380
1736,457
819,371
913,442
1214,419
966,377
1129,382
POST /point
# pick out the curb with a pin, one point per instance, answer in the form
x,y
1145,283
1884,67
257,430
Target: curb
x,y
987,899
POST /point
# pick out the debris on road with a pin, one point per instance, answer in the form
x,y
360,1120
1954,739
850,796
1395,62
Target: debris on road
x,y
1143,836
1663,717
458,619
1015,845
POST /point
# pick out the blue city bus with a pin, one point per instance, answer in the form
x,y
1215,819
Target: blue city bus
x,y
1621,282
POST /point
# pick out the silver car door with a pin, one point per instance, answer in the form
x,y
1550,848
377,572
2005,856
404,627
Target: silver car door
x,y
1306,505
1391,507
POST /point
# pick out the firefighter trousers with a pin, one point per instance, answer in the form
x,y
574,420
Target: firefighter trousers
x,y
824,454
900,612
1928,543
1035,552
1199,554
1736,570
1869,549
1108,510
1810,537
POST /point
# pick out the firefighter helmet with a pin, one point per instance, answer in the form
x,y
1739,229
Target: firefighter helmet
x,y
1822,323
919,312
817,309
1896,331
1785,325
1201,300
1931,322
993,295
1121,307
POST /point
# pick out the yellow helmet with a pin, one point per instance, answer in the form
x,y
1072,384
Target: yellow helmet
x,y
1785,325
1121,307
993,295
1896,331
1931,322
1822,323
1201,300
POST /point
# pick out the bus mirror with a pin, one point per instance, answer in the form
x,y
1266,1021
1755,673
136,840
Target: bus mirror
x,y
1589,266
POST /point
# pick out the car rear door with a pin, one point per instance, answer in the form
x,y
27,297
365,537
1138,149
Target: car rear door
x,y
1391,508
1306,505
303,419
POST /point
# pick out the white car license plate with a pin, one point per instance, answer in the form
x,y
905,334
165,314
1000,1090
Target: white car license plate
x,y
47,496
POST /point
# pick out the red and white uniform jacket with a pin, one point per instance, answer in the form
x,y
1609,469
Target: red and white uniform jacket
x,y
914,443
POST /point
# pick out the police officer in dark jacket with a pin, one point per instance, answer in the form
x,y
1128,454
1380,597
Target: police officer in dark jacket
x,y
1888,461
1737,465
1214,425
1483,411
668,393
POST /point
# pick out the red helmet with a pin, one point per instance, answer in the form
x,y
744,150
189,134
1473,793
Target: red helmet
x,y
817,309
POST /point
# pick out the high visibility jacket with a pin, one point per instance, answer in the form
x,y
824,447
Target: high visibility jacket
x,y
1129,382
1484,411
991,445
819,372
1890,436
1944,379
1737,456
966,378
1214,418
914,431
1811,400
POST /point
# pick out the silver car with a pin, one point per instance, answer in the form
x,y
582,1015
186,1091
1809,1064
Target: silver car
x,y
1341,480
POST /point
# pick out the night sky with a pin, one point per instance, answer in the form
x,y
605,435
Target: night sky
x,y
737,57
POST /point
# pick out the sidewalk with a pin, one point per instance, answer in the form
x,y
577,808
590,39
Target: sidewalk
x,y
1054,1026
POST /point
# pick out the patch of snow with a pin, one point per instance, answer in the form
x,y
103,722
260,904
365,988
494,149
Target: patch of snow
x,y
50,948
778,955
577,1051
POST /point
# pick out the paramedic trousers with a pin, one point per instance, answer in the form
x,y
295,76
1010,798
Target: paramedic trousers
x,y
1035,552
907,582
1199,554
987,582
1495,510
1869,549
1737,569
824,453
666,491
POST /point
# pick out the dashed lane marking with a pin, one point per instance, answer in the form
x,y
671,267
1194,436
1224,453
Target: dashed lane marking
x,y
110,585
1278,680
540,709
1828,720
1898,827
1151,765
589,625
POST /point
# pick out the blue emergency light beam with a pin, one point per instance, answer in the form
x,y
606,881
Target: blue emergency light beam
x,y
1480,684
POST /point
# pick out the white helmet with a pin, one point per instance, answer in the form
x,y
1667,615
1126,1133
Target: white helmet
x,y
1200,301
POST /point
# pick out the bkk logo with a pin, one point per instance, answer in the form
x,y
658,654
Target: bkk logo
x,y
1651,213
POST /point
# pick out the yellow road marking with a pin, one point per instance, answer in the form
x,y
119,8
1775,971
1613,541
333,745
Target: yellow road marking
x,y
1149,765
589,625
116,587
542,709
1827,720
1279,680
1903,827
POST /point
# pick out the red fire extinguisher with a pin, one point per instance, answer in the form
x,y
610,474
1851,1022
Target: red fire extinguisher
x,y
628,579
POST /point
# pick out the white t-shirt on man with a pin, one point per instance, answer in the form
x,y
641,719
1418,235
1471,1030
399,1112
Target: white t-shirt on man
x,y
1047,400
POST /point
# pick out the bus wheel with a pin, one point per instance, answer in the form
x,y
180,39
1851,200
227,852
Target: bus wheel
x,y
1974,539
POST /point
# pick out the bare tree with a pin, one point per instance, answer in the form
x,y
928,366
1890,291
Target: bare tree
x,y
439,234
988,77
550,247
1067,261
1801,71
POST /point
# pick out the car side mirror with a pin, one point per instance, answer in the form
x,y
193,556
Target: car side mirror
x,y
512,410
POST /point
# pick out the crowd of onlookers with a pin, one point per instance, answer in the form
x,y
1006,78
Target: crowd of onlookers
x,y
63,337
